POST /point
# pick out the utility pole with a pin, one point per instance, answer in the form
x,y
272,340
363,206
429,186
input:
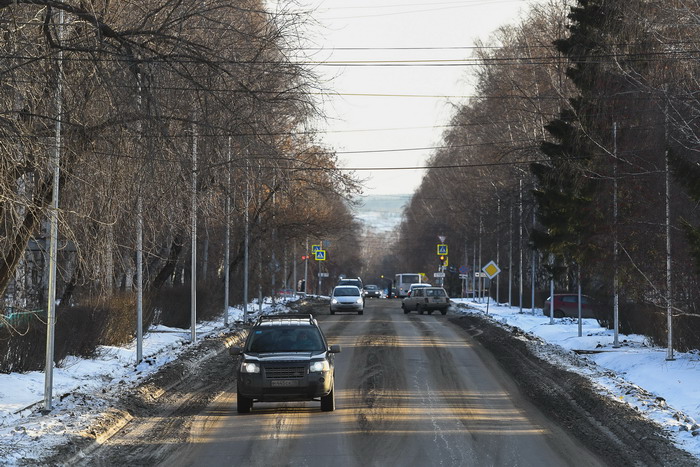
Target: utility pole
x,y
578,282
481,279
532,279
139,241
616,263
294,267
498,253
260,258
227,239
669,304
246,240
510,254
474,272
53,247
551,300
520,247
306,269
193,256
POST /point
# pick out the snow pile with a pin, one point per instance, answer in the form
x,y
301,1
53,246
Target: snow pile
x,y
637,373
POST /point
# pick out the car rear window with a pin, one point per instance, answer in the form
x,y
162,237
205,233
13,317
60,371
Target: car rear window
x,y
285,339
435,293
346,291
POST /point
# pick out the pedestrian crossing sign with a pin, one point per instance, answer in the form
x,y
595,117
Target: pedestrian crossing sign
x,y
442,249
320,255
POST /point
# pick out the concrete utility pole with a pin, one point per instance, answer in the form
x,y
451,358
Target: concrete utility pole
x,y
294,268
193,256
481,278
474,273
498,253
246,240
616,263
578,282
53,247
306,268
260,258
669,298
520,247
551,301
510,255
532,279
139,245
227,239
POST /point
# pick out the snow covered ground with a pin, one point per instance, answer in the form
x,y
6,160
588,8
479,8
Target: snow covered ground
x,y
667,392
636,373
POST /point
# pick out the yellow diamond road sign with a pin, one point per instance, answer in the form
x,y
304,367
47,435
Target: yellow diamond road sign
x,y
491,270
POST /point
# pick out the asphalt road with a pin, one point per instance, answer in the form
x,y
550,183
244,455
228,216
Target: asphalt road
x,y
410,390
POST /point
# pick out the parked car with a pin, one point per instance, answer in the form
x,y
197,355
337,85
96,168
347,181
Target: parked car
x,y
567,305
347,298
412,287
372,291
285,358
426,299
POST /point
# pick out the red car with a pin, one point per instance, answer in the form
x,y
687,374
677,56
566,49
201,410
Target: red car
x,y
566,304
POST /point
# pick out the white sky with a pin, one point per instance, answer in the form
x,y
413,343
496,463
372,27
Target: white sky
x,y
376,124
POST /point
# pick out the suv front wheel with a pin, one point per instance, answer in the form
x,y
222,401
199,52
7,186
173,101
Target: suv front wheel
x,y
328,402
243,404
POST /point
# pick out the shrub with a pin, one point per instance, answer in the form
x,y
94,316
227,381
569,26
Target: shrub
x,y
79,331
174,304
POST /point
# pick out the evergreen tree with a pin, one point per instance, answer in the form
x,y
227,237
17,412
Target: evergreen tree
x,y
565,190
564,193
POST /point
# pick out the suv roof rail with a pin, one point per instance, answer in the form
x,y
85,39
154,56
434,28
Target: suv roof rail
x,y
287,316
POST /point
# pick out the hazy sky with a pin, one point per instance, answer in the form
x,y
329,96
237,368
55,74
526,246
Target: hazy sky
x,y
381,116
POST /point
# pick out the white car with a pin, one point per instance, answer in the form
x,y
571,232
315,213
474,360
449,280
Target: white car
x,y
347,298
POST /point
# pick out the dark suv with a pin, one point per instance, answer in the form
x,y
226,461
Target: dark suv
x,y
285,358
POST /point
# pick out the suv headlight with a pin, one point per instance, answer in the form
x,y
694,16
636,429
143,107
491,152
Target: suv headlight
x,y
359,300
319,366
334,301
250,367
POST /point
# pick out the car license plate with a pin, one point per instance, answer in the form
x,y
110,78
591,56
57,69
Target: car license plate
x,y
284,383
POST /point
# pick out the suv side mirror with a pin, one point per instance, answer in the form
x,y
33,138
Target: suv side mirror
x,y
235,351
334,348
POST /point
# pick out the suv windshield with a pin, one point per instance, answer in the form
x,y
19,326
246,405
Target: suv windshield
x,y
285,339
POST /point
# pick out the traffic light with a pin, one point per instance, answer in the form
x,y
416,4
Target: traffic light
x,y
442,260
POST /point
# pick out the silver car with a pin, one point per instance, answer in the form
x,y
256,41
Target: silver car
x,y
347,298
